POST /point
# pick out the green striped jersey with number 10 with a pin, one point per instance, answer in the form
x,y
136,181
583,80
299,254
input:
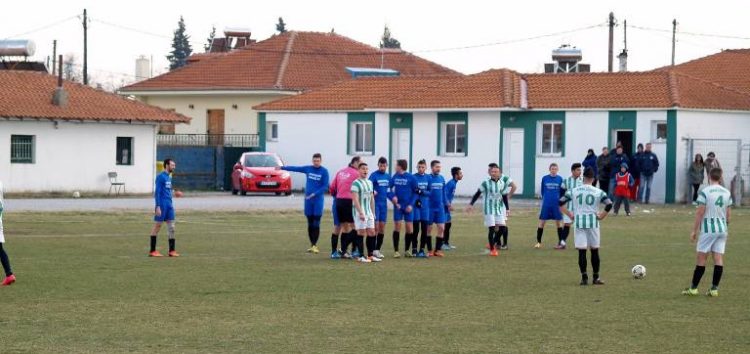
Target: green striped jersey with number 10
x,y
506,181
569,184
585,200
716,199
492,192
363,191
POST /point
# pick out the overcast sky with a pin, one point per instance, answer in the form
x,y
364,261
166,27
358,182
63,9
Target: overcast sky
x,y
121,31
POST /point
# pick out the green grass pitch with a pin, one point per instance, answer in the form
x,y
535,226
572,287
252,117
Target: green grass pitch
x,y
244,284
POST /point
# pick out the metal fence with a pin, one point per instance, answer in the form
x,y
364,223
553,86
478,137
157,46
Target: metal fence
x,y
734,159
229,140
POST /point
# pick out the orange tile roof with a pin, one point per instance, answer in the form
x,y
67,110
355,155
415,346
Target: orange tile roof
x,y
728,68
25,94
294,61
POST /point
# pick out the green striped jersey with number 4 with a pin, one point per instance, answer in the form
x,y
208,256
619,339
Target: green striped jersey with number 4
x,y
492,192
363,191
585,200
569,184
507,181
716,199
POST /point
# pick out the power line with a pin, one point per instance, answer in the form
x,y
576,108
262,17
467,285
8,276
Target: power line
x,y
697,34
129,28
53,24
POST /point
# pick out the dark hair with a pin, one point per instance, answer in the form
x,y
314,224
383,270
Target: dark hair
x,y
422,162
640,145
575,166
697,156
317,155
166,162
403,164
588,172
492,165
362,164
554,164
382,160
455,170
355,160
590,152
434,162
711,154
715,174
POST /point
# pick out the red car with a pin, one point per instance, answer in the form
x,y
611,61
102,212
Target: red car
x,y
256,172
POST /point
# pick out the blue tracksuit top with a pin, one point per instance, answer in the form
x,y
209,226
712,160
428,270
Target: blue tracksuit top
x,y
437,193
163,190
550,190
317,178
381,181
423,184
404,188
450,191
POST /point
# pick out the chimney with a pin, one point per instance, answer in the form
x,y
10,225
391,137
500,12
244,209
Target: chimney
x,y
60,97
623,57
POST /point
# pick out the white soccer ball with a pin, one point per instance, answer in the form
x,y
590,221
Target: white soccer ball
x,y
639,271
76,194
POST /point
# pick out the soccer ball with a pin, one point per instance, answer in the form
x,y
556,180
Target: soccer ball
x,y
639,271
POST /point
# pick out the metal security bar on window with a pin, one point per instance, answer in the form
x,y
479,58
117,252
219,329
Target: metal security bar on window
x,y
22,149
233,140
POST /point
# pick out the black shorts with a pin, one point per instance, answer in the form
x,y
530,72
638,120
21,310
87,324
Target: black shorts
x,y
344,210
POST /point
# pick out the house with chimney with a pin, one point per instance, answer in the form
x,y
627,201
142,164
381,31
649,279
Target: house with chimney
x,y
528,121
60,136
219,89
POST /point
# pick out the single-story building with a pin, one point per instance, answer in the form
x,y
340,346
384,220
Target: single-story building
x,y
68,138
523,121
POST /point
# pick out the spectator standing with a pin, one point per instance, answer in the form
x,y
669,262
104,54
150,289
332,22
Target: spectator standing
x,y
603,169
590,162
697,175
711,163
649,166
617,160
635,171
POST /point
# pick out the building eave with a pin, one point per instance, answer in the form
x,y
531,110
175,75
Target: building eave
x,y
227,92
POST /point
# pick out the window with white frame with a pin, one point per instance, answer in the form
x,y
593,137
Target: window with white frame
x,y
550,138
361,138
454,138
272,131
22,148
659,131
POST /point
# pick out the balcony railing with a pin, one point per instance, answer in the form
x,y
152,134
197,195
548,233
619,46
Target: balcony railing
x,y
233,140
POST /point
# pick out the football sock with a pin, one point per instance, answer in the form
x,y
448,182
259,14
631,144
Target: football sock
x,y
491,237
407,241
345,242
595,262
505,236
334,242
316,235
560,235
353,238
379,243
422,242
718,271
697,275
427,237
361,245
566,232
310,234
371,245
438,243
5,261
153,243
396,237
171,245
539,232
582,261
429,243
499,235
447,233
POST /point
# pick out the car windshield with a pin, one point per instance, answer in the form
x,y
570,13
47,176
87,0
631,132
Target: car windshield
x,y
261,161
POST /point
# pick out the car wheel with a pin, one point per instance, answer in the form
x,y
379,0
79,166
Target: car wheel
x,y
243,192
235,192
288,193
278,193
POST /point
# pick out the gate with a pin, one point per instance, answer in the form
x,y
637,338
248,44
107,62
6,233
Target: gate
x,y
730,153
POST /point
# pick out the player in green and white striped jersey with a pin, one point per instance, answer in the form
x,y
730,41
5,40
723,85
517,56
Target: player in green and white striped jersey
x,y
712,224
493,207
510,189
584,201
570,183
363,206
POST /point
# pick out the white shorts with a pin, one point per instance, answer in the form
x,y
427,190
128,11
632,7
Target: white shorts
x,y
493,220
368,223
566,219
711,243
586,238
2,236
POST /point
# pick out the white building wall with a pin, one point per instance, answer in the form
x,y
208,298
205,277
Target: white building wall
x,y
644,132
710,125
77,156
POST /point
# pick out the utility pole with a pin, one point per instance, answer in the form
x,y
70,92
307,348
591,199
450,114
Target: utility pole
x,y
85,49
611,39
674,36
54,57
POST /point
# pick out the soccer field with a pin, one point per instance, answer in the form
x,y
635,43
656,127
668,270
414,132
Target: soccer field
x,y
245,284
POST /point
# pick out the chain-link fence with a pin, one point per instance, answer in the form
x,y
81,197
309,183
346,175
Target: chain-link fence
x,y
734,159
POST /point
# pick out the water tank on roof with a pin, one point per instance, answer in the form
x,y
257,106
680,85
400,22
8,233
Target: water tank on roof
x,y
142,68
237,32
17,48
567,53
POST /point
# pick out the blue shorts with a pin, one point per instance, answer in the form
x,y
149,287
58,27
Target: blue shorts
x,y
167,214
423,213
314,206
402,215
550,213
437,216
381,212
335,214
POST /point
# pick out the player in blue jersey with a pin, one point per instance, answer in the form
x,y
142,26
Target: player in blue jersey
x,y
403,195
550,193
438,204
164,209
450,192
315,191
381,181
422,210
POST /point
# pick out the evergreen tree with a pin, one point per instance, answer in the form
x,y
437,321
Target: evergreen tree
x,y
387,41
281,26
210,39
181,49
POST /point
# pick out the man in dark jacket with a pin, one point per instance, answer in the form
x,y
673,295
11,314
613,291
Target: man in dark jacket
x,y
649,164
590,162
604,169
614,164
635,171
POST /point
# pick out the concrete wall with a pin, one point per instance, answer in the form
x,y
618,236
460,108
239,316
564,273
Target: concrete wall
x,y
644,133
77,156
243,120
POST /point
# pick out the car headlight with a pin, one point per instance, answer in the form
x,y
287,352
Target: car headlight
x,y
246,174
285,175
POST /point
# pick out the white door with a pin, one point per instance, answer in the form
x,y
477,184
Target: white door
x,y
513,156
401,141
